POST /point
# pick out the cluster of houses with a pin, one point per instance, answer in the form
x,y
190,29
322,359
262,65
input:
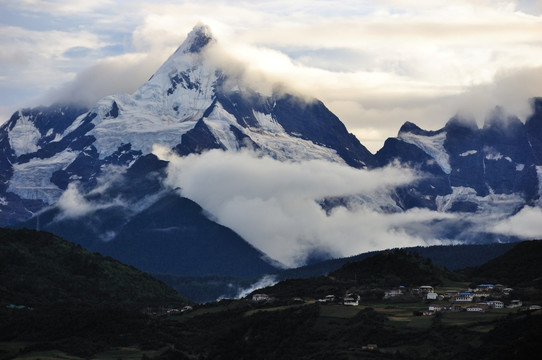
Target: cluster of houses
x,y
166,310
479,299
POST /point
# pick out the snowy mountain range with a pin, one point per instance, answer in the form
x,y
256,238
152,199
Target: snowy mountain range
x,y
93,177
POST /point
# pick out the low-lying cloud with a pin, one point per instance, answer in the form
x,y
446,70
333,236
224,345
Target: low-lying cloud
x,y
525,224
73,204
274,205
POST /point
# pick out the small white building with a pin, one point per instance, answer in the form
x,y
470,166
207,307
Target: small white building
x,y
328,299
495,304
426,289
435,308
351,300
432,296
260,297
481,294
485,287
475,308
451,293
515,304
464,297
535,307
393,293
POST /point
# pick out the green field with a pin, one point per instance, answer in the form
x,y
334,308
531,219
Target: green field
x,y
11,351
339,311
471,318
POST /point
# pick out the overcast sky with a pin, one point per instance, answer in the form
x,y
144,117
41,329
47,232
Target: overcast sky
x,y
376,64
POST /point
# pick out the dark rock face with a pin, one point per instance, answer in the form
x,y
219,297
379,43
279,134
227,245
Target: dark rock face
x,y
533,127
464,145
176,237
197,140
313,121
499,158
200,40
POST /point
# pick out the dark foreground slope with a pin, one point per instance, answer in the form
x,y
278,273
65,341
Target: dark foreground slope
x,y
292,326
38,268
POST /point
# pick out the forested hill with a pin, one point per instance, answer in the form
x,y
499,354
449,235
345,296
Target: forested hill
x,y
520,266
386,269
392,268
452,257
41,268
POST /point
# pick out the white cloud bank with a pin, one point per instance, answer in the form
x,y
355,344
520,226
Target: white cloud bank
x,y
273,205
526,224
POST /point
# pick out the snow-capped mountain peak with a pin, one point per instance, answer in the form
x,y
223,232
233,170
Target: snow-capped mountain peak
x,y
184,106
200,36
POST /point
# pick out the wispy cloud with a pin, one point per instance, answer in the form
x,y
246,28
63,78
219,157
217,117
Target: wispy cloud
x,y
264,281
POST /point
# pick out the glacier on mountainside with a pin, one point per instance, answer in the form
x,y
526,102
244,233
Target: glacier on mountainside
x,y
24,136
432,146
498,205
31,180
539,175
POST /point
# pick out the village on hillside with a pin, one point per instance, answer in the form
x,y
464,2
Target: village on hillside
x,y
481,298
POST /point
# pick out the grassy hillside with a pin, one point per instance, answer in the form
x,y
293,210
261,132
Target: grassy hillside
x,y
40,268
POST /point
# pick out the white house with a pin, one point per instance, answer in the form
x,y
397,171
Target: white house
x,y
432,296
351,300
451,293
475,308
260,297
393,293
495,304
426,289
485,287
328,298
464,297
515,304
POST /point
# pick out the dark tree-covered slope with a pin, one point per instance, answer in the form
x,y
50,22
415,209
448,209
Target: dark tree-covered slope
x,y
518,267
38,268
